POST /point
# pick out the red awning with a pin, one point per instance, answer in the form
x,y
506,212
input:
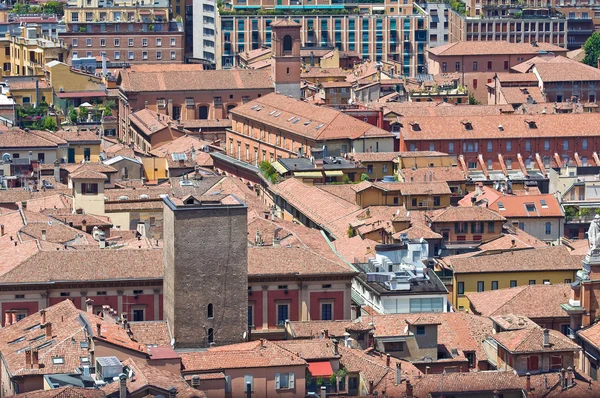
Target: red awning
x,y
317,369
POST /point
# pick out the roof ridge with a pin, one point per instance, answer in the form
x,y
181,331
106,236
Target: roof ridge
x,y
521,289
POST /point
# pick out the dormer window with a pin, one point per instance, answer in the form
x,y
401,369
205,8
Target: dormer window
x,y
532,124
415,126
467,124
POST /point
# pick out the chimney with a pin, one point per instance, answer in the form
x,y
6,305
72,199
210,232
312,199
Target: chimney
x,y
106,311
28,358
335,347
89,306
99,329
43,317
323,392
262,342
371,387
1,229
35,359
124,319
409,389
196,382
570,377
527,383
122,385
7,319
326,333
563,382
57,170
387,360
49,330
546,338
398,373
43,234
276,239
172,392
13,317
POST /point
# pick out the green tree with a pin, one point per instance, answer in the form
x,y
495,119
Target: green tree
x,y
49,123
364,177
592,50
73,115
54,7
473,101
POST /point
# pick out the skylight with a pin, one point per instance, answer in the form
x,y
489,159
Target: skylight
x,y
544,204
530,207
290,119
17,340
58,360
320,126
501,206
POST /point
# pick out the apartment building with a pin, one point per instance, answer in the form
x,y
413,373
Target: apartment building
x,y
203,35
28,50
476,63
376,31
126,32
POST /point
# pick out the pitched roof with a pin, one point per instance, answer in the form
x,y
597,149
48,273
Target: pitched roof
x,y
310,350
182,144
548,385
552,70
518,239
291,261
14,137
493,48
77,136
543,205
591,334
149,122
62,392
254,354
513,126
196,79
52,232
88,175
374,156
72,265
312,329
152,333
464,382
146,376
445,174
542,259
416,188
473,213
523,300
306,120
520,95
532,340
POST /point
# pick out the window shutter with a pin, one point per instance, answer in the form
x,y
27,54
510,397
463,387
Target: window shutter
x,y
455,227
473,227
291,382
277,387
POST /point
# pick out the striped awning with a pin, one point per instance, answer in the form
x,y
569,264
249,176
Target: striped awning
x,y
279,167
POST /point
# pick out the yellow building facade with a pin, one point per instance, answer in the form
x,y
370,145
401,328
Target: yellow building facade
x,y
26,54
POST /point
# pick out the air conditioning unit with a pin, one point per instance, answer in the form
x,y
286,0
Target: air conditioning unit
x,y
107,368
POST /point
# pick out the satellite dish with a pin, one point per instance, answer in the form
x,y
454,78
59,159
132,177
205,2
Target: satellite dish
x,y
245,335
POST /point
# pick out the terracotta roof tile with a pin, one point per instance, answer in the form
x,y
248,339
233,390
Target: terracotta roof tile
x,y
78,136
473,213
150,122
312,329
492,48
55,232
465,382
57,201
292,261
544,205
548,385
523,300
62,392
416,188
510,241
541,259
154,333
88,175
196,79
238,356
444,174
313,121
591,334
309,350
29,84
532,340
513,126
520,95
14,137
374,156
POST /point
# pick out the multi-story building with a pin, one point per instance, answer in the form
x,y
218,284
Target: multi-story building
x,y
476,63
125,31
203,31
27,51
515,28
376,31
187,92
438,22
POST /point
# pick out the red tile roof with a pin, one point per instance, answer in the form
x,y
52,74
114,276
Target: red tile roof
x,y
532,340
523,300
517,206
473,213
467,382
254,354
493,48
312,329
553,258
263,261
314,122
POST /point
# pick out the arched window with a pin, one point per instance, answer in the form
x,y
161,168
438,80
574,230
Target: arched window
x,y
211,336
287,44
203,112
210,310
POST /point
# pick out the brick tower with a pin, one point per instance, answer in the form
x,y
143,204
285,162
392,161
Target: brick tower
x,y
286,57
205,272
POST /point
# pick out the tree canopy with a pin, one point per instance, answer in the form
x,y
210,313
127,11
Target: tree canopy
x,y
592,50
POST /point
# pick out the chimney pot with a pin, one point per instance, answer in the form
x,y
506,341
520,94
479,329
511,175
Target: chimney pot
x,y
43,317
13,316
528,383
409,389
398,373
99,329
196,382
122,385
335,347
89,305
35,362
7,318
546,338
49,330
326,333
28,359
387,360
371,387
